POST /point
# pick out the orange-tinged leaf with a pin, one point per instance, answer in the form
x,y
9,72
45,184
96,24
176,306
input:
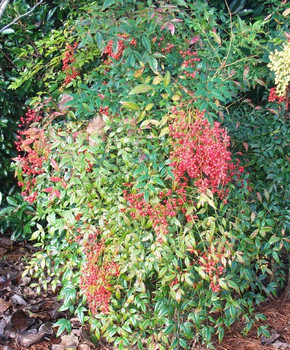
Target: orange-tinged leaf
x,y
259,197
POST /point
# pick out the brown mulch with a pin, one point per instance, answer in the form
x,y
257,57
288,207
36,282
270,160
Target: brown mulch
x,y
26,318
278,319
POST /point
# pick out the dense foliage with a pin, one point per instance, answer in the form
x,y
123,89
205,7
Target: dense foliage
x,y
155,182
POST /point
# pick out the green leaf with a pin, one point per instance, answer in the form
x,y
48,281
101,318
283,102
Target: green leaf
x,y
153,64
274,239
140,89
182,342
62,324
223,284
218,95
132,106
100,40
276,256
221,332
146,43
182,3
108,3
35,235
167,78
168,329
11,201
232,284
159,181
8,31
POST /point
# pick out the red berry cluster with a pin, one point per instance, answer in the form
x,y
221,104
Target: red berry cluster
x,y
273,97
133,42
97,275
33,151
120,48
168,48
211,264
190,60
68,60
171,204
104,110
30,117
164,49
200,152
174,282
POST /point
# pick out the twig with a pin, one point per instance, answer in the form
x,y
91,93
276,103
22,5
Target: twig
x,y
3,6
23,15
231,40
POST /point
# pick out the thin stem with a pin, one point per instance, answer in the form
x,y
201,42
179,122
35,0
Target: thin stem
x,y
17,18
3,6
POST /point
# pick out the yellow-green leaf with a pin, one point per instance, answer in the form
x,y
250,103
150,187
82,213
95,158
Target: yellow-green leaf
x,y
167,78
164,131
157,80
149,107
175,97
140,89
223,284
132,106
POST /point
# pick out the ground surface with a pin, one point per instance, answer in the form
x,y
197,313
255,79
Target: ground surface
x,y
26,319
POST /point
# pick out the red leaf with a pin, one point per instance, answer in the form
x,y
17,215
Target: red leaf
x,y
259,197
27,142
246,146
54,164
48,190
55,179
194,39
246,71
64,184
171,27
56,193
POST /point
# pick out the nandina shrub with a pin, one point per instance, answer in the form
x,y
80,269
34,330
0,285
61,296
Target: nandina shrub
x,y
155,205
154,259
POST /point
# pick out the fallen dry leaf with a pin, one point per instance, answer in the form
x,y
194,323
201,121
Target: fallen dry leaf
x,y
69,341
25,280
21,321
83,347
281,345
46,328
2,326
2,251
28,339
96,127
4,281
38,315
18,300
5,241
4,305
62,103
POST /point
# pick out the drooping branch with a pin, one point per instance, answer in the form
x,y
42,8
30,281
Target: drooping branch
x,y
3,6
23,15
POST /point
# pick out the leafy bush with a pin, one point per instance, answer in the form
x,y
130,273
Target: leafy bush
x,y
142,207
